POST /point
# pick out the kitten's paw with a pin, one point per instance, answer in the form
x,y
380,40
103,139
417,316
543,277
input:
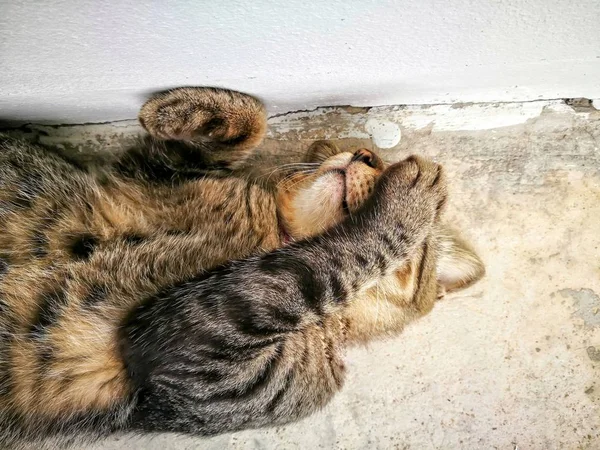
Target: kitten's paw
x,y
220,116
413,193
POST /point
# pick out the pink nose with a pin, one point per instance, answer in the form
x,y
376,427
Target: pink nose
x,y
365,156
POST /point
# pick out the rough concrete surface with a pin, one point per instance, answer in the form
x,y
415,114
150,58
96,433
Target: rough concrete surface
x,y
513,362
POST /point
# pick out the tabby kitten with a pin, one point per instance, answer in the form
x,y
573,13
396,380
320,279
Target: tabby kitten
x,y
170,291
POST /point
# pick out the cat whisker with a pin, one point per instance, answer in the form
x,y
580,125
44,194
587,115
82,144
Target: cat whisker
x,y
291,176
294,168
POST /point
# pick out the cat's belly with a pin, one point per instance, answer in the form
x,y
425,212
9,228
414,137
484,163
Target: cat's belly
x,y
73,268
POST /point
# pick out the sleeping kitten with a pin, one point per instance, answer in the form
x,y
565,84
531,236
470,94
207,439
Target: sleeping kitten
x,y
172,291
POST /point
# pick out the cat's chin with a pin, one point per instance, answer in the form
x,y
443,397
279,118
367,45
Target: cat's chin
x,y
311,204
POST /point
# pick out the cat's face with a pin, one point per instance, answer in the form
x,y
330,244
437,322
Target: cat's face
x,y
335,184
315,199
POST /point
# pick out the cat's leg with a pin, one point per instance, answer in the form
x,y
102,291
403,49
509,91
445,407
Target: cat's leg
x,y
196,129
220,117
211,355
444,264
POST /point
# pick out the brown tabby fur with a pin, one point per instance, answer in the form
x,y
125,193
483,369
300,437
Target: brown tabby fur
x,y
81,248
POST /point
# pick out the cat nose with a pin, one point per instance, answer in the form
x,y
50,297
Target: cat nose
x,y
364,156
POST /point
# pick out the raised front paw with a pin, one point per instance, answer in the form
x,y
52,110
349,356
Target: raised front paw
x,y
221,116
412,194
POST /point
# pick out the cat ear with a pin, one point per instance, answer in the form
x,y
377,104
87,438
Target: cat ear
x,y
458,265
319,151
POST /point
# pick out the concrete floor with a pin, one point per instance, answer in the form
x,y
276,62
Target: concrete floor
x,y
514,362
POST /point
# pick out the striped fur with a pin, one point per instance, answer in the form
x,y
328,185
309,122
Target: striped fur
x,y
156,293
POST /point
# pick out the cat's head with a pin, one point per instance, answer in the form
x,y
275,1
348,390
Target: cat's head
x,y
333,184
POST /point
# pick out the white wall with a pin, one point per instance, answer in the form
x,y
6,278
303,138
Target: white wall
x,y
96,60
